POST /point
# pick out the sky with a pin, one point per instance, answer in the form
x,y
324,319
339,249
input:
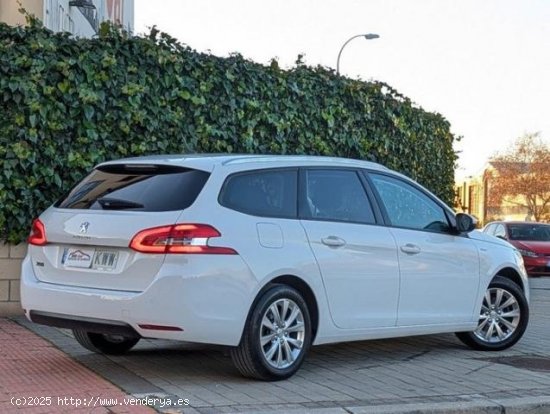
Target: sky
x,y
484,65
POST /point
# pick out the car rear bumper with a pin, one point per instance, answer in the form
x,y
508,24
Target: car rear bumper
x,y
207,308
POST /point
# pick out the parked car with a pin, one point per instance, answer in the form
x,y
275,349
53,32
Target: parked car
x,y
531,239
267,255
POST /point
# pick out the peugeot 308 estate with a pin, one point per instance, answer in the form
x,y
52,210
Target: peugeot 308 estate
x,y
267,255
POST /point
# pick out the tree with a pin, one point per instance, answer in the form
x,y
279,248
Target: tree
x,y
521,177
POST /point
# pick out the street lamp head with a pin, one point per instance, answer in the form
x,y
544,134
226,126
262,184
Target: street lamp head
x,y
370,36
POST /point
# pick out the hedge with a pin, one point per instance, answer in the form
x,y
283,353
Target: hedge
x,y
68,104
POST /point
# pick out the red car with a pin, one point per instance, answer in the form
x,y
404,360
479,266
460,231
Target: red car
x,y
531,239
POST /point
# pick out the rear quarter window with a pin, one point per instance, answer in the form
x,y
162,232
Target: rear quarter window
x,y
266,193
139,188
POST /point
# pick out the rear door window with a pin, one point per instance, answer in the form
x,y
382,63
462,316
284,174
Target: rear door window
x,y
266,193
136,187
336,195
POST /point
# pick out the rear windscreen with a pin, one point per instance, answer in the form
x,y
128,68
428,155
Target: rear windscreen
x,y
136,188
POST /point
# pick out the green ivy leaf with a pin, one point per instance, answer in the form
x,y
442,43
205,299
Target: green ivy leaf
x,y
63,86
89,112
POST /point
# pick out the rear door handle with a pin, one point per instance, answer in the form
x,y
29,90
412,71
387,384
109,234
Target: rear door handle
x,y
333,241
410,248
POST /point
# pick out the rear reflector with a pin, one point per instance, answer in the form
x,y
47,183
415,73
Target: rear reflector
x,y
160,328
178,238
38,234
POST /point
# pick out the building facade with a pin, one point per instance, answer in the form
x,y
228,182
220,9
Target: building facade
x,y
79,17
472,196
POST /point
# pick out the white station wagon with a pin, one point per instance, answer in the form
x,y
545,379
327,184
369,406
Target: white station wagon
x,y
267,255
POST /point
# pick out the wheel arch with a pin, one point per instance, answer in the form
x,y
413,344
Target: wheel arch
x,y
303,288
511,274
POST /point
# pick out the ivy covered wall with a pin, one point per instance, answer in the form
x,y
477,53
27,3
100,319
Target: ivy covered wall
x,y
67,104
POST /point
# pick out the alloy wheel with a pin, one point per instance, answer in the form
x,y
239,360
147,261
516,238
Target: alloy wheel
x,y
499,316
282,333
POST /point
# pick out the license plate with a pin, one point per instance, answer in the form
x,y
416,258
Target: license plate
x,y
105,260
89,258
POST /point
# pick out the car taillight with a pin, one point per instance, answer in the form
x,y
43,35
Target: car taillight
x,y
38,234
178,238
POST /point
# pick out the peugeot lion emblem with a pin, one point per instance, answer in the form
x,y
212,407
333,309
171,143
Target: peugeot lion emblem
x,y
84,227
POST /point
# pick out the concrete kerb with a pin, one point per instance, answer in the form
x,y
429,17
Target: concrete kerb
x,y
459,407
521,405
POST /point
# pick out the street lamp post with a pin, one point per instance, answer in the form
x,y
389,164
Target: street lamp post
x,y
368,36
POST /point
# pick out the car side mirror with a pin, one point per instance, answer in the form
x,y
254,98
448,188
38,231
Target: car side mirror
x,y
465,223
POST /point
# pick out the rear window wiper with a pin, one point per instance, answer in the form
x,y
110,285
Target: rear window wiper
x,y
108,203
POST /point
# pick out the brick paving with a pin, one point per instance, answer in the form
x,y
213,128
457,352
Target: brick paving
x,y
36,377
358,377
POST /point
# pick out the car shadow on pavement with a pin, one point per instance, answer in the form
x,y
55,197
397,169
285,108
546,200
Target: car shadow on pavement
x,y
192,362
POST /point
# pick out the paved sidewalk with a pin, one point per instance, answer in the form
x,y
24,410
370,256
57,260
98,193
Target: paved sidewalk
x,y
427,374
36,377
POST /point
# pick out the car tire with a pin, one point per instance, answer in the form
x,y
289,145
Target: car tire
x,y
104,343
504,316
277,336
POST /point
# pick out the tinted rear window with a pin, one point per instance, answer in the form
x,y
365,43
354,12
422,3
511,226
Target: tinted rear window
x,y
136,188
269,193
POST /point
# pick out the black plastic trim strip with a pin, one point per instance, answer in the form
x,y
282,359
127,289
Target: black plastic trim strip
x,y
94,325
